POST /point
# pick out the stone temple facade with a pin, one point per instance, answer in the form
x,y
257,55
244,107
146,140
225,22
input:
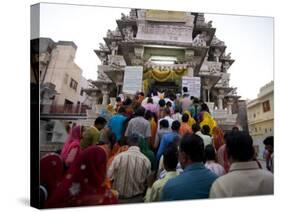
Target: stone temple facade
x,y
168,45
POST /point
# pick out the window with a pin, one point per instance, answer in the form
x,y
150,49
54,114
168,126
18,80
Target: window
x,y
270,129
266,106
256,130
265,130
254,115
73,84
81,92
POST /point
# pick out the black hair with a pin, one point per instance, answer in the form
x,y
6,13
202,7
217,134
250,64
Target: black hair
x,y
148,115
185,89
239,146
204,107
210,153
185,117
121,109
100,120
118,99
170,156
169,104
140,111
164,123
193,147
192,97
133,139
195,127
150,100
235,128
206,129
268,141
162,103
127,101
176,125
141,93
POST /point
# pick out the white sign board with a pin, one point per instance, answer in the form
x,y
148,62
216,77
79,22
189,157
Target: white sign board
x,y
193,85
132,79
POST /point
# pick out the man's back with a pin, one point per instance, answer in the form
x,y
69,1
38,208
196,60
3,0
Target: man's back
x,y
243,179
129,171
194,183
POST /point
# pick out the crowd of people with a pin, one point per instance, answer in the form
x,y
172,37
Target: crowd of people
x,y
154,148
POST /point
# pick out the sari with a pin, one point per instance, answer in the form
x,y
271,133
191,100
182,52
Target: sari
x,y
144,148
153,126
191,120
71,147
207,119
51,171
83,184
218,138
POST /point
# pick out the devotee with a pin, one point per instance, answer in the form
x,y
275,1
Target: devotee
x,y
83,184
223,158
149,116
92,135
185,128
129,171
197,130
117,123
218,139
195,108
177,114
167,116
244,178
185,102
211,162
160,108
164,128
170,161
51,173
168,138
206,119
118,103
139,125
169,105
150,105
71,147
196,180
268,142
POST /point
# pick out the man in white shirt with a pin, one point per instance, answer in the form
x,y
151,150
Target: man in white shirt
x,y
206,138
167,116
244,178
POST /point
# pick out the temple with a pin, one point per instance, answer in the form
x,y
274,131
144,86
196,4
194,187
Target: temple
x,y
168,45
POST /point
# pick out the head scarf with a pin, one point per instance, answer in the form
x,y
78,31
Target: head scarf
x,y
207,119
83,184
73,141
218,137
51,171
144,148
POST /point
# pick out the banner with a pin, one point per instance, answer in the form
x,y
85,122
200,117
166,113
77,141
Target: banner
x,y
193,85
132,79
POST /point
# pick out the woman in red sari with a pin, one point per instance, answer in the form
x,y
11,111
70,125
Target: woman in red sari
x,y
83,184
218,137
51,173
71,147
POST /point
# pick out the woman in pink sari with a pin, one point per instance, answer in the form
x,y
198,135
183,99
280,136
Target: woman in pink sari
x,y
83,184
71,148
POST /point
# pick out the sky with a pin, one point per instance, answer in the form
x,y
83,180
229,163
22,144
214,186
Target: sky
x,y
248,38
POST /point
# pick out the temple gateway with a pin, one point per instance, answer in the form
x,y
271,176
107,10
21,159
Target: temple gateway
x,y
168,45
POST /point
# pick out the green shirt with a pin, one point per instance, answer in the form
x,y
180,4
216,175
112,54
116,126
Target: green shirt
x,y
90,137
153,193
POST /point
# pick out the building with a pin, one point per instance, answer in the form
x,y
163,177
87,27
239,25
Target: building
x,y
260,112
168,45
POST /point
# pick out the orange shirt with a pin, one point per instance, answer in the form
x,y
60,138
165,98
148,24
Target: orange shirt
x,y
185,128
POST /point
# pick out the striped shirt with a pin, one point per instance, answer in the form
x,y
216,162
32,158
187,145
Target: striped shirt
x,y
129,171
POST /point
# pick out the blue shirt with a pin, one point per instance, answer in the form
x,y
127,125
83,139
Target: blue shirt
x,y
194,183
116,125
166,139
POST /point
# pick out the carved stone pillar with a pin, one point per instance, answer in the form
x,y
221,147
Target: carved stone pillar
x,y
220,99
105,97
229,105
